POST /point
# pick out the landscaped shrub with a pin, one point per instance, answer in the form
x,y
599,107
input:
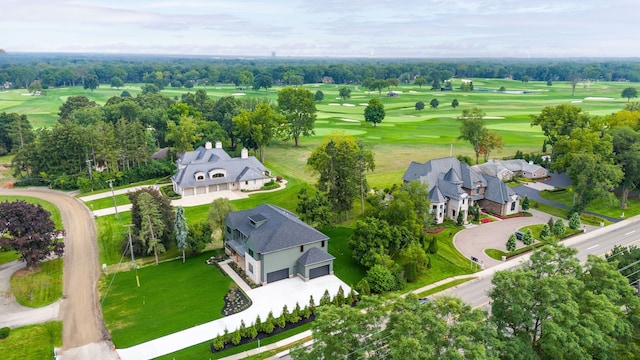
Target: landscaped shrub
x,y
235,338
411,272
525,203
559,228
312,305
4,332
381,279
511,243
325,299
363,287
527,237
545,232
269,324
270,185
338,300
574,221
433,246
295,316
218,343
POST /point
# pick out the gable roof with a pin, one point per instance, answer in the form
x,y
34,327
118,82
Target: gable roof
x,y
497,191
204,160
314,256
280,229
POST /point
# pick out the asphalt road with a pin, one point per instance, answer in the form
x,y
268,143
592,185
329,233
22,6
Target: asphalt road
x,y
82,324
597,242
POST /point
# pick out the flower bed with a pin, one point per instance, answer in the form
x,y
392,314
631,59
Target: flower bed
x,y
434,231
486,220
520,214
235,301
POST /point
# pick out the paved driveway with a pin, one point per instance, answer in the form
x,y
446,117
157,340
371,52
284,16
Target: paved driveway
x,y
474,240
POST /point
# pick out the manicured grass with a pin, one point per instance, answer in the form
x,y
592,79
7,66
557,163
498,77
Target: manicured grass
x,y
32,342
345,267
598,206
202,351
107,202
8,256
111,232
443,287
141,183
173,296
51,208
495,254
40,286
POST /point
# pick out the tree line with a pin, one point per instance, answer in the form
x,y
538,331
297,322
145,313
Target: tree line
x,y
56,70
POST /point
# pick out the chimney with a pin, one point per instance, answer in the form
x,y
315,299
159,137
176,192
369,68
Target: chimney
x,y
207,145
218,144
530,162
244,154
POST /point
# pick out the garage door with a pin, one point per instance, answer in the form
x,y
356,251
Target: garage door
x,y
319,271
188,192
278,275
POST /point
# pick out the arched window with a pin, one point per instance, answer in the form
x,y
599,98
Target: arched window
x,y
199,176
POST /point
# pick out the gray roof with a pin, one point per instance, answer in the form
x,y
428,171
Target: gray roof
x,y
430,171
435,196
497,191
205,160
314,256
280,230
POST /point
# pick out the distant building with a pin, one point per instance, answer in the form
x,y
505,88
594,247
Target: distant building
x,y
208,170
507,169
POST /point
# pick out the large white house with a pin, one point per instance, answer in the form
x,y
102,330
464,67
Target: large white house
x,y
207,170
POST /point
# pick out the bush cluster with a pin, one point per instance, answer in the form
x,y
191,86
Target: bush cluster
x,y
4,332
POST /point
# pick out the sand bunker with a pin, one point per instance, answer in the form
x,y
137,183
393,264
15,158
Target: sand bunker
x,y
348,105
25,94
598,98
349,120
238,94
363,104
576,101
413,92
334,104
493,117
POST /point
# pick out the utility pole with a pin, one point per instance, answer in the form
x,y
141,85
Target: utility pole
x,y
88,161
133,260
110,181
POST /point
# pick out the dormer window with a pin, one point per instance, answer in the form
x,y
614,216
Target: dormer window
x,y
217,173
199,176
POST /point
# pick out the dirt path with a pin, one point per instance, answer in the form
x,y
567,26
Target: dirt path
x,y
80,310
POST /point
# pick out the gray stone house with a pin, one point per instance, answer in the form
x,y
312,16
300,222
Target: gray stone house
x,y
270,243
454,187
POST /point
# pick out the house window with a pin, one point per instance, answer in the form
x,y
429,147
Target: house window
x,y
217,175
513,206
322,243
251,268
477,189
228,230
246,182
463,200
301,248
250,252
199,177
453,212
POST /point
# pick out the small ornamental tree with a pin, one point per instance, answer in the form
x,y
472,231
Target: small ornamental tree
x,y
574,221
218,343
252,332
269,324
258,324
420,105
559,228
338,300
236,337
511,242
550,223
525,204
460,218
295,316
281,321
527,237
29,230
433,246
181,230
428,262
363,287
454,103
312,305
319,96
434,103
325,299
545,232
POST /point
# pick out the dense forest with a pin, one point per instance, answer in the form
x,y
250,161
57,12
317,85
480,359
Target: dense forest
x,y
21,70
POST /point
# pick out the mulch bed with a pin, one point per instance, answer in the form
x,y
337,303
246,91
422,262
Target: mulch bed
x,y
235,301
434,231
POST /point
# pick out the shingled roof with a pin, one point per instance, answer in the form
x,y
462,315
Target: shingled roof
x,y
204,160
314,256
497,191
279,230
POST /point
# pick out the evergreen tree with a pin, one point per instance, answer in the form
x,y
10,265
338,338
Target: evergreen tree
x,y
559,228
511,243
545,232
181,229
574,221
527,237
433,246
525,204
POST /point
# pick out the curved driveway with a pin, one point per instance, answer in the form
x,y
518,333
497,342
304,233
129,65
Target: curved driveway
x,y
474,240
80,310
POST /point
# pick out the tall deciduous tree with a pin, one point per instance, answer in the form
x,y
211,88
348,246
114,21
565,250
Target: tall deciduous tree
x,y
374,112
472,128
490,141
181,230
299,109
218,211
629,93
29,230
184,134
552,308
560,120
434,103
420,81
91,82
340,163
224,110
626,148
258,127
344,93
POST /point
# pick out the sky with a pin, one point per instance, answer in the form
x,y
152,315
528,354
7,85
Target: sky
x,y
326,28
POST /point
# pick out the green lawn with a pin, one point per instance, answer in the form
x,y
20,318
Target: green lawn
x,y
173,296
495,254
8,256
599,206
32,342
107,202
39,287
443,287
51,208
